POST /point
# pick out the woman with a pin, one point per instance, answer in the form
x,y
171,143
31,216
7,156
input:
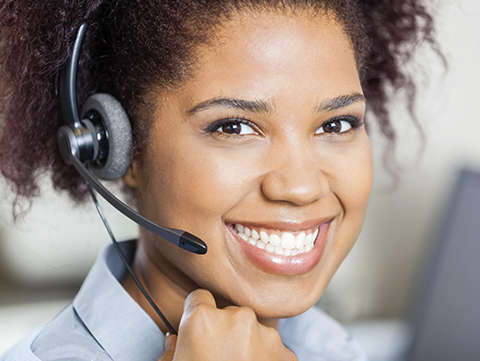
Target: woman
x,y
249,132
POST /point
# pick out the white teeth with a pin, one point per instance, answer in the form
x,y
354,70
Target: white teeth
x,y
308,240
264,237
300,241
275,240
269,247
288,241
260,244
281,243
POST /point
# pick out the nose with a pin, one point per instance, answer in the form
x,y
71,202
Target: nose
x,y
295,176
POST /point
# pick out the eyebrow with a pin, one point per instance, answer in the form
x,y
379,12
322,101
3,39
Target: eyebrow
x,y
258,106
339,102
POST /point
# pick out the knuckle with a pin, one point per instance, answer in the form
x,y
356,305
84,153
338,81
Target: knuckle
x,y
271,336
198,318
246,316
200,292
200,312
247,313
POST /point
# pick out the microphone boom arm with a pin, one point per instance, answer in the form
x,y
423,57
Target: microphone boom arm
x,y
177,237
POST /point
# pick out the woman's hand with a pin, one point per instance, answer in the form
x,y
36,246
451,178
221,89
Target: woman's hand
x,y
232,333
169,352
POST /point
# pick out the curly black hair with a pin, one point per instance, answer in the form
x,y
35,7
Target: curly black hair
x,y
132,46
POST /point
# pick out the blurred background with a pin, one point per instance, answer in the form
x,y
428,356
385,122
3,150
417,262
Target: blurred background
x,y
47,253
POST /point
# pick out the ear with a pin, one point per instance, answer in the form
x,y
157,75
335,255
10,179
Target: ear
x,y
133,178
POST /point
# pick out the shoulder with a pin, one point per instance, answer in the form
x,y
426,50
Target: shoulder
x,y
21,351
315,336
63,338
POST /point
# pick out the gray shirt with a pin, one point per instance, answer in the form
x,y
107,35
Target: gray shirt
x,y
105,323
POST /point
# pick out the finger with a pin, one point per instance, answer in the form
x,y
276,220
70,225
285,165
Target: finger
x,y
170,345
230,308
197,298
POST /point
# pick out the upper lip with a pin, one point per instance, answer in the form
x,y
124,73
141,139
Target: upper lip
x,y
287,226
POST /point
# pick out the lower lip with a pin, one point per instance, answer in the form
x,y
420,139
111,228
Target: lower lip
x,y
286,265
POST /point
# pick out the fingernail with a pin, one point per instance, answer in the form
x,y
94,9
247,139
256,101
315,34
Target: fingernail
x,y
166,339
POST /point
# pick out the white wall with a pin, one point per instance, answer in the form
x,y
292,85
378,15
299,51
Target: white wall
x,y
56,241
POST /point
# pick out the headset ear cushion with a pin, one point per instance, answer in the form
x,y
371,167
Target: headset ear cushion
x,y
120,139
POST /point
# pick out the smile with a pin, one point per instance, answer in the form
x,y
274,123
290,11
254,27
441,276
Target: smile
x,y
278,242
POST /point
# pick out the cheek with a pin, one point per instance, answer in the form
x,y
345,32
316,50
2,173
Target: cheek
x,y
351,184
350,177
190,186
360,180
351,174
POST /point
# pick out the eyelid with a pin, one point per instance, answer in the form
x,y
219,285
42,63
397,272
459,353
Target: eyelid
x,y
212,127
354,121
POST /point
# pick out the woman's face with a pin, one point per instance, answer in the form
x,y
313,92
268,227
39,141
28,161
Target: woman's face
x,y
262,154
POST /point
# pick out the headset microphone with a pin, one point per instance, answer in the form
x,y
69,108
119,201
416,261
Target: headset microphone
x,y
100,145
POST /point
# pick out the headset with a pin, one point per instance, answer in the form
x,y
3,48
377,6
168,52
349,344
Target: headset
x,y
99,145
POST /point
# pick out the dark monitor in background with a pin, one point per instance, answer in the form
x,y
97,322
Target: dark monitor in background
x,y
447,323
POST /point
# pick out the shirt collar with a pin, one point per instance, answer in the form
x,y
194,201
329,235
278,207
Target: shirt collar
x,y
114,319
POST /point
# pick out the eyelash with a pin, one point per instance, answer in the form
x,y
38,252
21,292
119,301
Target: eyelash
x,y
354,122
212,128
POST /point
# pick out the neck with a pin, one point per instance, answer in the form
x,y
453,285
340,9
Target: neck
x,y
167,294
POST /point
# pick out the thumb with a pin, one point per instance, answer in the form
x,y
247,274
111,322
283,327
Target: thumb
x,y
170,345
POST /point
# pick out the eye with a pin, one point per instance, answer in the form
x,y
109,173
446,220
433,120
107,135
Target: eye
x,y
232,127
235,128
338,125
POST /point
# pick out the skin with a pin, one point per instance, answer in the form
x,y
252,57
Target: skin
x,y
293,74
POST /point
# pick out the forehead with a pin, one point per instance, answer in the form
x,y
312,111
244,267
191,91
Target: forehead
x,y
267,55
269,31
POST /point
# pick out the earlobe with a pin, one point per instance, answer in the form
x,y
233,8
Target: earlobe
x,y
132,177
